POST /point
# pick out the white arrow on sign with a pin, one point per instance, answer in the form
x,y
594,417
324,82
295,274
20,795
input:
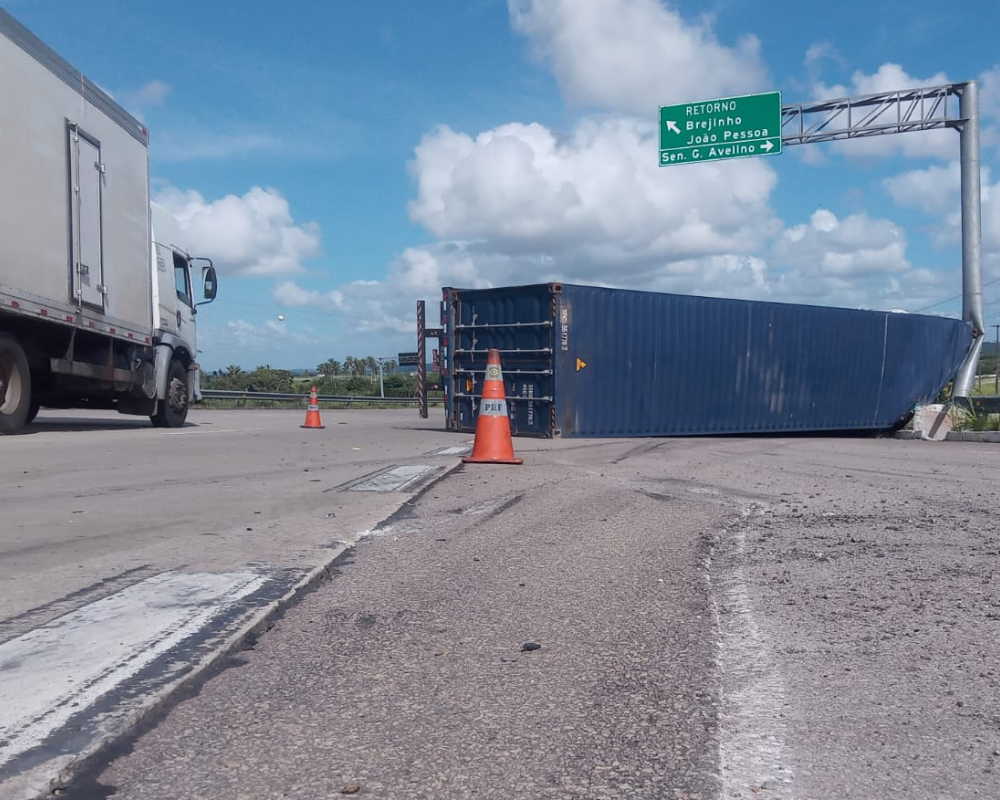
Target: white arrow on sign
x,y
767,146
672,126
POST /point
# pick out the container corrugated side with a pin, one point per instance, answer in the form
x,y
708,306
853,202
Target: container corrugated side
x,y
629,363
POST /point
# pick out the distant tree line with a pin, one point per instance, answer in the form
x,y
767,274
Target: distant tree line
x,y
352,376
262,379
356,367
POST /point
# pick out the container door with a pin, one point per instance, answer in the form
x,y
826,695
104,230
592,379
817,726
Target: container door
x,y
87,256
518,322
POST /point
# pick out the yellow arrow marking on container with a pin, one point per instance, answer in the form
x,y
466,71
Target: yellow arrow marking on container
x,y
580,364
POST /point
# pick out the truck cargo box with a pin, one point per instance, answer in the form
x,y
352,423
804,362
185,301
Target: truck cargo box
x,y
74,172
588,361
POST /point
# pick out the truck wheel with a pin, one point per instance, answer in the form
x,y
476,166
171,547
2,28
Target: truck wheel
x,y
172,412
33,410
15,385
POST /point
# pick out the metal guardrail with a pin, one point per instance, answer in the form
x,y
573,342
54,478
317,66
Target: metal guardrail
x,y
984,404
230,394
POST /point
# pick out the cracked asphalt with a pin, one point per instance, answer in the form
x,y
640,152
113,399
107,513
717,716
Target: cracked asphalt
x,y
728,618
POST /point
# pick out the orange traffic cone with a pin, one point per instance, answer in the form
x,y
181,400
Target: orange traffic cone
x,y
312,413
493,443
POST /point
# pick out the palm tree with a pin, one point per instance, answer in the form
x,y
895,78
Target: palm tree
x,y
353,366
371,363
329,367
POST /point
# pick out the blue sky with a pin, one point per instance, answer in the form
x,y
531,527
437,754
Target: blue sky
x,y
340,161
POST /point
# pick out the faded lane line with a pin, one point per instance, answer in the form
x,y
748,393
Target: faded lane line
x,y
394,480
63,667
453,451
751,723
225,430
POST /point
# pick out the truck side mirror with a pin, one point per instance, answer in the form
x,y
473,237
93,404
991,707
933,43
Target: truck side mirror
x,y
209,281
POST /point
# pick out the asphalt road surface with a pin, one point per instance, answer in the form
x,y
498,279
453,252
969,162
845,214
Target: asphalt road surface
x,y
131,555
715,618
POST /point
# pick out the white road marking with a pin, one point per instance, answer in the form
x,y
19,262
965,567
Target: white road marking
x,y
453,451
63,667
202,433
752,727
394,480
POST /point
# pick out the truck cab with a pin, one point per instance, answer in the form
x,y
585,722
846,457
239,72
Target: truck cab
x,y
174,312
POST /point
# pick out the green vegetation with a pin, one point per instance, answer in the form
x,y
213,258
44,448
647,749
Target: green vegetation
x,y
965,419
355,377
262,379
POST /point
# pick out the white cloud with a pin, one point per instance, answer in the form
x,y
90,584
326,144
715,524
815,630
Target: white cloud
x,y
364,305
594,201
138,101
290,294
422,271
249,334
254,343
833,250
989,93
935,190
887,78
389,305
857,262
634,55
822,51
153,93
853,262
249,235
517,205
991,218
195,145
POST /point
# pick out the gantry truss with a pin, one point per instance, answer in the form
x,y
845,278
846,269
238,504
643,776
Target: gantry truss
x,y
904,111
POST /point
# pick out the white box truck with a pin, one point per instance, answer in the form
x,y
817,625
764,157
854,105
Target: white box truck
x,y
97,306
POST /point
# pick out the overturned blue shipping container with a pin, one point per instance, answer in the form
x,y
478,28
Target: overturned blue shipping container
x,y
589,361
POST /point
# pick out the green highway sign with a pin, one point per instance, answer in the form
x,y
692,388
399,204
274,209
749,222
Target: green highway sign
x,y
732,127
